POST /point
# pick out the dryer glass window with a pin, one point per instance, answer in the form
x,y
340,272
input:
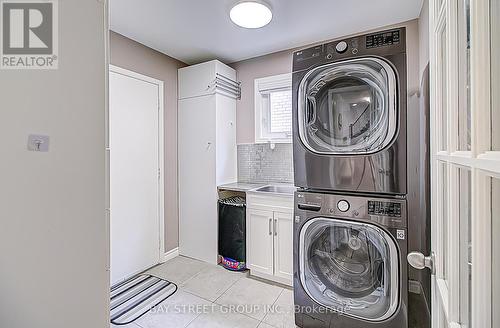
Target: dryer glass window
x,y
350,267
348,107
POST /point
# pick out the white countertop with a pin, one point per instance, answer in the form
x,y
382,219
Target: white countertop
x,y
241,186
251,187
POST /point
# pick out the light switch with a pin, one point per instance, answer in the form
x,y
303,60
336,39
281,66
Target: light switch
x,y
38,143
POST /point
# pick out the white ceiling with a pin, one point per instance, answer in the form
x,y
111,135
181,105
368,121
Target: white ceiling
x,y
197,30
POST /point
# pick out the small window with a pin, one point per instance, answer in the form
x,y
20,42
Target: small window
x,y
273,109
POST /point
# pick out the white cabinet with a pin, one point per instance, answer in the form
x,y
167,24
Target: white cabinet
x,y
270,237
260,246
207,156
283,246
197,80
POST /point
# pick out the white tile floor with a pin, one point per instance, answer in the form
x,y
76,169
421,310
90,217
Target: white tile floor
x,y
211,297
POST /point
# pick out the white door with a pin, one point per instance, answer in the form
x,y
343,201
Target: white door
x,y
465,162
134,173
283,246
260,241
197,179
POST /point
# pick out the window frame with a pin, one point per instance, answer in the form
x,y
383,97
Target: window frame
x,y
263,87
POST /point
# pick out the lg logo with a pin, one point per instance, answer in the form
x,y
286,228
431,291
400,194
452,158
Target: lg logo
x,y
29,38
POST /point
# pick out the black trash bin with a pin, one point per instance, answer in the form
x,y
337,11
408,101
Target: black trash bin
x,y
232,233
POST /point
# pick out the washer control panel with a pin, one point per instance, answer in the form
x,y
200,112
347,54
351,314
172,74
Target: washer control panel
x,y
389,212
343,205
384,208
383,39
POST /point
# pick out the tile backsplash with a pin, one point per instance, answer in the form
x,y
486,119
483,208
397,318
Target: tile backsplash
x,y
259,163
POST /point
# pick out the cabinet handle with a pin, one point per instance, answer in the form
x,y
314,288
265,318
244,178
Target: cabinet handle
x,y
275,227
270,228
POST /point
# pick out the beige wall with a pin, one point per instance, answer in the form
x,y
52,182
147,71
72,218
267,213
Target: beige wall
x,y
136,57
281,62
247,71
53,235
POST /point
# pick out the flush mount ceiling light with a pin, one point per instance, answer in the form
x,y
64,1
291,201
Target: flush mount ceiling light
x,y
251,14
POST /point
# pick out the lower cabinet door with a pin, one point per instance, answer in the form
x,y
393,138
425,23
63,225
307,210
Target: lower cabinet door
x,y
260,241
283,246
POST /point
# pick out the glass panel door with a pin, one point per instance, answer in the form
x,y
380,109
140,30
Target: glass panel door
x,y
466,48
350,267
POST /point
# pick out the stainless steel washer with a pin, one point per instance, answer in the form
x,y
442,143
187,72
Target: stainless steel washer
x,y
349,111
350,261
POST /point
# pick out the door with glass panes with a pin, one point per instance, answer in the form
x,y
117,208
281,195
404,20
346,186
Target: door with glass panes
x,y
465,162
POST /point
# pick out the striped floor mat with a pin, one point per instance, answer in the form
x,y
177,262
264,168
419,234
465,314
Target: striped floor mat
x,y
133,298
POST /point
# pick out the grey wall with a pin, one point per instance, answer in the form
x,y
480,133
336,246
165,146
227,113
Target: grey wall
x,y
53,235
260,163
136,57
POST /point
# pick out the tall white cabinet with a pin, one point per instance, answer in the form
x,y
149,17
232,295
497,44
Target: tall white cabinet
x,y
207,153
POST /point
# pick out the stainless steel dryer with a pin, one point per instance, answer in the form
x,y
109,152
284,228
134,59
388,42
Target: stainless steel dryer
x,y
349,111
350,261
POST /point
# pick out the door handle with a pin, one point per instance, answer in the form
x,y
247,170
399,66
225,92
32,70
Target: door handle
x,y
275,227
270,227
420,261
310,112
309,207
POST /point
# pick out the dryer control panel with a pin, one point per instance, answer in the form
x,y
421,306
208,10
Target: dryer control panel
x,y
383,43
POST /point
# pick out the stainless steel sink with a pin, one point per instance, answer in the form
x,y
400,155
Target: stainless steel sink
x,y
275,189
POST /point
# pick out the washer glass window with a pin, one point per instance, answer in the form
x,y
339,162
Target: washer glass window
x,y
350,267
348,107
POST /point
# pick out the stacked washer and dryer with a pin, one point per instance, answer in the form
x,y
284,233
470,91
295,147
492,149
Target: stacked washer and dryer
x,y
350,164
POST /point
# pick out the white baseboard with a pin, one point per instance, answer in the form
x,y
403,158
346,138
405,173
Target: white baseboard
x,y
171,254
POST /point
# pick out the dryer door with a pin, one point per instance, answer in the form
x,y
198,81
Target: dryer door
x,y
350,267
348,107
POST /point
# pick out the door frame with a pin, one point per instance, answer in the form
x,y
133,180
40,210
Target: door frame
x,y
161,154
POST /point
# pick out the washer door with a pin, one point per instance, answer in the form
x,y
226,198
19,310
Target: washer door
x,y
350,267
348,107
